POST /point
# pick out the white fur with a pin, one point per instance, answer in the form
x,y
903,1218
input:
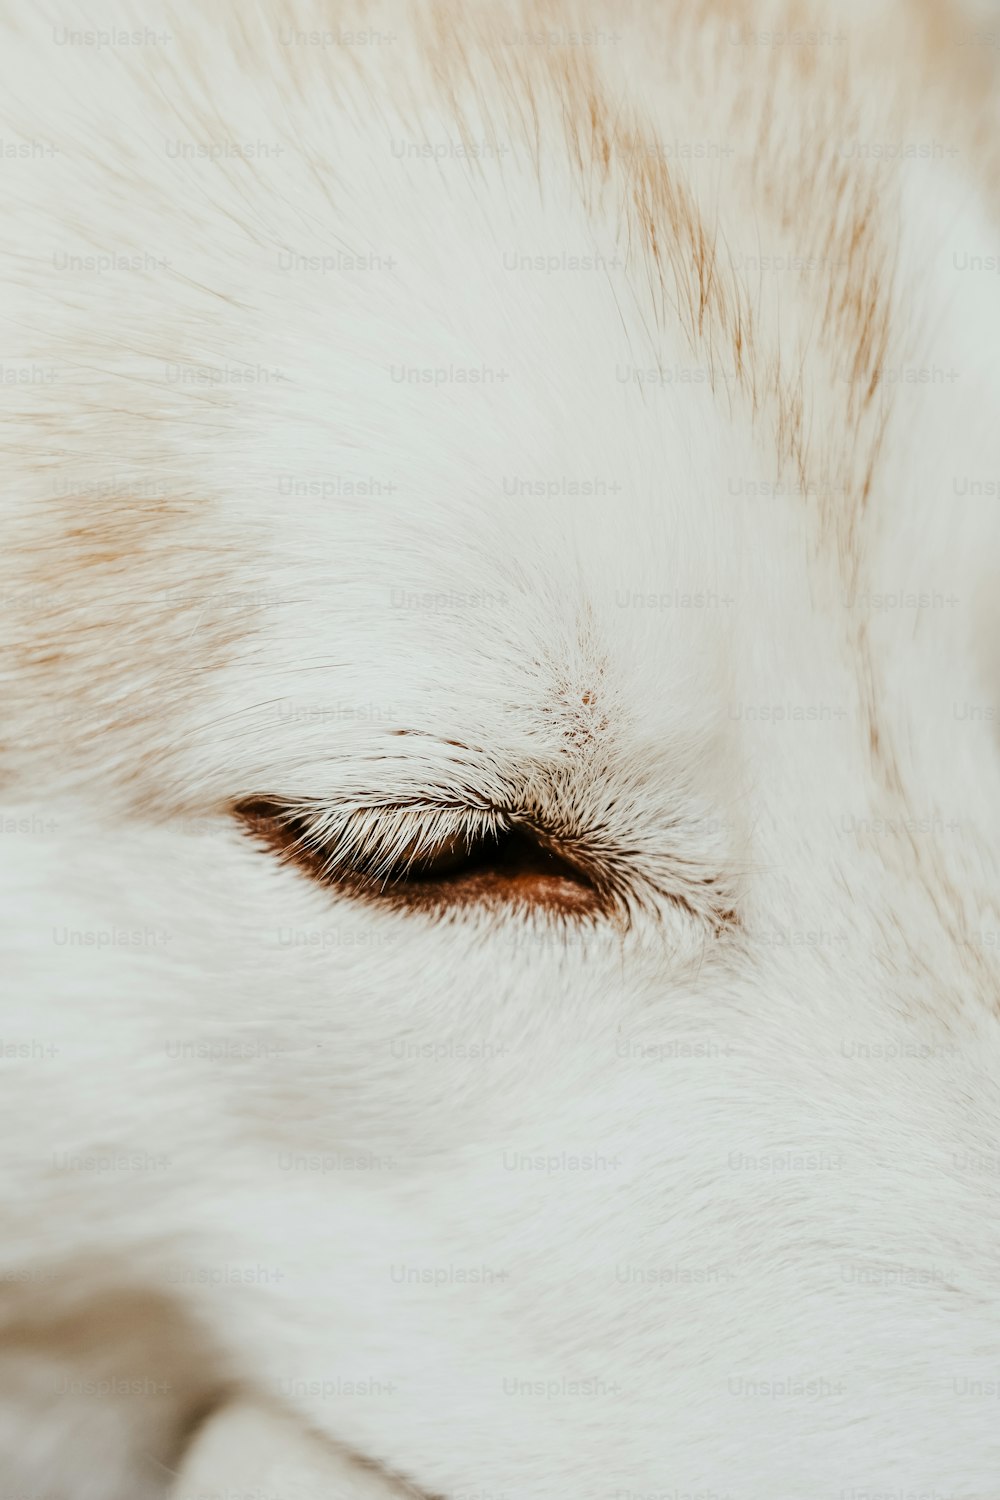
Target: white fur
x,y
313,1091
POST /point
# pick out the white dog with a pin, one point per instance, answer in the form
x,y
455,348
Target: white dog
x,y
501,823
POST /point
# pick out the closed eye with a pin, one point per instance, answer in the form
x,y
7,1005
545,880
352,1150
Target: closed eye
x,y
424,856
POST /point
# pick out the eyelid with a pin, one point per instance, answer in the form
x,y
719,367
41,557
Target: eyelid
x,y
379,848
379,840
372,840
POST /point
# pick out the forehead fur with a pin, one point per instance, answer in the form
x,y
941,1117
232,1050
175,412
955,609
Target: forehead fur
x,y
119,469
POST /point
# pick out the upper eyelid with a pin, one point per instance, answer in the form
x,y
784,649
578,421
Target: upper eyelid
x,y
380,837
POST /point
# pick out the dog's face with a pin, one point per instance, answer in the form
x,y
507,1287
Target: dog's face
x,y
503,666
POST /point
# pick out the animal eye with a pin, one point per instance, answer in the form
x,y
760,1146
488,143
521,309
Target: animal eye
x,y
428,857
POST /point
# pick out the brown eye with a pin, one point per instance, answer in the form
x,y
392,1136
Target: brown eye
x,y
506,864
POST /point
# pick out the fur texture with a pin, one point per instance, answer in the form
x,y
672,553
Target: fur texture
x,y
435,418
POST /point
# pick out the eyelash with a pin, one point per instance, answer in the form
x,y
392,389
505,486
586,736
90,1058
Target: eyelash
x,y
377,845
